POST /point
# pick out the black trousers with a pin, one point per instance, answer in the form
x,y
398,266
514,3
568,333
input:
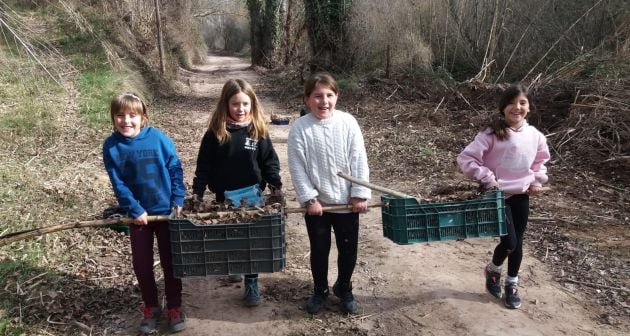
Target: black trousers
x,y
511,246
346,227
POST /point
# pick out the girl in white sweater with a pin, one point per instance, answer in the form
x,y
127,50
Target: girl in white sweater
x,y
320,144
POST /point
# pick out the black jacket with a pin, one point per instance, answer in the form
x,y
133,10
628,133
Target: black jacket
x,y
238,163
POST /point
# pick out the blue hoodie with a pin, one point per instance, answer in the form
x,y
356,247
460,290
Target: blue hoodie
x,y
145,172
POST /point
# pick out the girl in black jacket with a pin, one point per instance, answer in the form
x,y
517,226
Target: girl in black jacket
x,y
236,152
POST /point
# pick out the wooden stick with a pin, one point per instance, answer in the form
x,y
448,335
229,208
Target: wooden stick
x,y
13,237
375,187
543,189
16,236
594,285
331,208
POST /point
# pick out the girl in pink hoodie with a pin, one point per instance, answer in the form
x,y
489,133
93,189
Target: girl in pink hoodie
x,y
509,155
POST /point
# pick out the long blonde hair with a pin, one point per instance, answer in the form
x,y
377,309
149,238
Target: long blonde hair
x,y
218,124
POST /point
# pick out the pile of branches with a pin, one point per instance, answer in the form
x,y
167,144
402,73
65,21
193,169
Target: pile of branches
x,y
598,124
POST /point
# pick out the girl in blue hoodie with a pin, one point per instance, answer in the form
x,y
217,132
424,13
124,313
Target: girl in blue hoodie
x,y
147,177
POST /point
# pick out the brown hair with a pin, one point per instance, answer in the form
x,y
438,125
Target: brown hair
x,y
218,123
497,124
321,78
128,101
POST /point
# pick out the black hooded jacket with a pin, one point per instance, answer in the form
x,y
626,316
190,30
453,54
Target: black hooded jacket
x,y
238,163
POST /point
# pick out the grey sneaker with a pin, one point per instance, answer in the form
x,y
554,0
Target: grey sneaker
x,y
344,293
150,319
316,302
252,296
512,300
176,320
493,283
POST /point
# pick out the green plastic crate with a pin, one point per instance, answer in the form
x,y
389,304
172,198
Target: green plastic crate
x,y
228,249
405,221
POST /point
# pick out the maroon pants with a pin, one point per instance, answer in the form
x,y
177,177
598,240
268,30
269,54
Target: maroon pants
x,y
142,258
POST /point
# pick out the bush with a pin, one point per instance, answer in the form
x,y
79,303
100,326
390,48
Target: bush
x,y
378,25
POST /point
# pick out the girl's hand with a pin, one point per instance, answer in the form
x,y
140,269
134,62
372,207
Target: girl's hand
x,y
142,219
494,185
535,190
176,212
314,209
358,204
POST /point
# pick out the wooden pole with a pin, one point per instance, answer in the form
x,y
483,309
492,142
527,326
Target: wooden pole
x,y
374,187
15,236
331,208
158,20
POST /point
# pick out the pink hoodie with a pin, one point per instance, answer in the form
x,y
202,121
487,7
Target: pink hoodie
x,y
514,164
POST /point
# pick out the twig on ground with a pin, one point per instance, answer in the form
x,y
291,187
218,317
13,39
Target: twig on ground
x,y
594,285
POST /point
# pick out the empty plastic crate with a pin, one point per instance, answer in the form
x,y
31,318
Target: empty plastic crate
x,y
227,249
406,221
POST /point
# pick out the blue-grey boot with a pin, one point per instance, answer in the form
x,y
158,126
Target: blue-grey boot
x,y
252,296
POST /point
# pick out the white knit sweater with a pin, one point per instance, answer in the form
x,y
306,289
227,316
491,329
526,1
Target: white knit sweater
x,y
318,149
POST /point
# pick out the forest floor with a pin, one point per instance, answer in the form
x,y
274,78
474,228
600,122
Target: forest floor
x,y
574,278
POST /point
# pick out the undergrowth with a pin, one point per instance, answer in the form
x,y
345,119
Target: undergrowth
x,y
53,114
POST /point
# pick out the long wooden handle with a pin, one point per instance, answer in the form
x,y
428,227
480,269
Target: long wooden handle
x,y
373,186
331,208
15,236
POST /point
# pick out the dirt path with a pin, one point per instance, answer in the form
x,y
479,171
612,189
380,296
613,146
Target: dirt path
x,y
421,289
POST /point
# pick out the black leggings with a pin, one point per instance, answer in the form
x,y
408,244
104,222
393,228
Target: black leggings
x,y
346,226
511,246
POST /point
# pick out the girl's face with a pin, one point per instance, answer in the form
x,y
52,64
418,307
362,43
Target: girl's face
x,y
516,111
239,107
321,102
128,122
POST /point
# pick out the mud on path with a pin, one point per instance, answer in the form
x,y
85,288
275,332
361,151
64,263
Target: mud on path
x,y
421,289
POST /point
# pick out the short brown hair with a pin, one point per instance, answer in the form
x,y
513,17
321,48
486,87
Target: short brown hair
x,y
128,101
321,78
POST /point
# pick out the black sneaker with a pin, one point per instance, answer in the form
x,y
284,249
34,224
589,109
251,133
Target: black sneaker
x,y
493,283
317,301
512,300
344,293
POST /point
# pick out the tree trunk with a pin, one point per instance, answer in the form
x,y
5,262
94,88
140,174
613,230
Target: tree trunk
x,y
256,23
488,59
265,31
158,21
326,24
287,33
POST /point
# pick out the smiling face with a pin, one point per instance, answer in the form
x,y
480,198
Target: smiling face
x,y
128,122
321,102
516,111
239,107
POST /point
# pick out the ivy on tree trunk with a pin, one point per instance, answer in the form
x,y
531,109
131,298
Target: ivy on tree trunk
x,y
327,27
265,31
